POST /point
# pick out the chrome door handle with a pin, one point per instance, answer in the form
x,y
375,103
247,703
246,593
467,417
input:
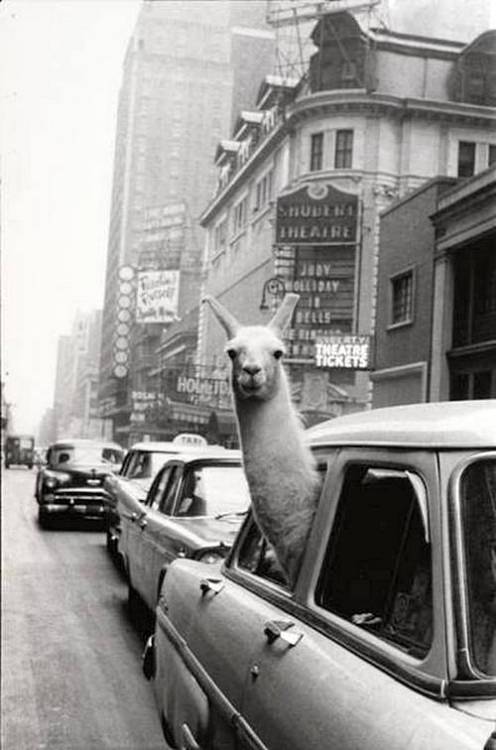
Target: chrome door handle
x,y
211,584
282,629
143,523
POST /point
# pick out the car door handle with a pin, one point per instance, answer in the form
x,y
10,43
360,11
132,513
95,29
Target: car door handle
x,y
211,584
282,629
143,523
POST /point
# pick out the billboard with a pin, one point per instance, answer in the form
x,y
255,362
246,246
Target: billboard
x,y
343,352
157,296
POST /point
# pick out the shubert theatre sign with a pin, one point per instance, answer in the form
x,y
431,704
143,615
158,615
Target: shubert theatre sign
x,y
316,234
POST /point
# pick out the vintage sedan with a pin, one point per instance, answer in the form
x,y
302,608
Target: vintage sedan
x,y
131,484
387,639
193,509
71,483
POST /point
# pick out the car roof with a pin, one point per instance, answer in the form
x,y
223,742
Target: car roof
x,y
445,424
169,447
223,455
68,442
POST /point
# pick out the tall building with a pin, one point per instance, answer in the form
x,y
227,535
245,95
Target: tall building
x,y
306,174
189,67
75,408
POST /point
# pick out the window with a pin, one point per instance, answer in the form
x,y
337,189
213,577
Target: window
x,y
377,568
466,159
491,155
257,557
263,191
158,487
239,215
214,491
402,298
220,237
343,157
478,505
348,73
316,151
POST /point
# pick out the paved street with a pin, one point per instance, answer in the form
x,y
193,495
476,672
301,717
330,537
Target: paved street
x,y
71,666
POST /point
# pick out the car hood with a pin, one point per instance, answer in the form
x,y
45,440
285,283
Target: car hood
x,y
211,530
86,471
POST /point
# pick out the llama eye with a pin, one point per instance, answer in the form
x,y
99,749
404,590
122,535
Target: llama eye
x,y
231,353
278,353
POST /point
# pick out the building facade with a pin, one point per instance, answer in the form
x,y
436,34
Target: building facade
x,y
436,314
306,175
188,67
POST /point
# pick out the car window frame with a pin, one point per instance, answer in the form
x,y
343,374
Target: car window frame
x,y
169,497
155,488
465,667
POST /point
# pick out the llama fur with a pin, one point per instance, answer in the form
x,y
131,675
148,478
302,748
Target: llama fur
x,y
279,466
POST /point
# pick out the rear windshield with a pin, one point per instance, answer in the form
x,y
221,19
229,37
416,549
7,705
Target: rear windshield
x,y
145,465
85,454
478,499
215,490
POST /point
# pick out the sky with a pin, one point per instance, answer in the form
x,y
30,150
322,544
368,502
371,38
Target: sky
x,y
60,72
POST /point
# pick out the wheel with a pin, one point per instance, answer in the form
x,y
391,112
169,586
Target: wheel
x,y
110,543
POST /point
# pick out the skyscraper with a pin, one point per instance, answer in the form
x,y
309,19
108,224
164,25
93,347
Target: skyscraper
x,y
189,68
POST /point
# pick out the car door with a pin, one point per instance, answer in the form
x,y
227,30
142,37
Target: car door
x,y
154,550
137,541
349,663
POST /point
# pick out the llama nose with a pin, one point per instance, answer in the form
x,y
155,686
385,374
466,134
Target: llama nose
x,y
252,369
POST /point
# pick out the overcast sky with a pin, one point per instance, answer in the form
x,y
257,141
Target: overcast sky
x,y
60,72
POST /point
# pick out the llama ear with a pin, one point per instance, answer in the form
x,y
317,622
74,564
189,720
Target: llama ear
x,y
225,318
282,318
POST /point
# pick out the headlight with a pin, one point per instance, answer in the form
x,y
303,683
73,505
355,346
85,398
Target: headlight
x,y
54,478
211,557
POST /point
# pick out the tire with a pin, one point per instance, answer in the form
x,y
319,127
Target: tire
x,y
43,518
110,543
133,601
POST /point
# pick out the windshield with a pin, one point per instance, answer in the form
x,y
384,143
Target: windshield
x,y
217,490
478,499
85,454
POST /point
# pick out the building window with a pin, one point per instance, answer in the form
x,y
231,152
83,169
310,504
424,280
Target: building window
x,y
466,159
316,151
348,73
220,237
239,215
343,157
491,155
263,191
402,298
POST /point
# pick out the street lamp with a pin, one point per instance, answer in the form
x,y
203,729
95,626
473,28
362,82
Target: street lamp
x,y
274,288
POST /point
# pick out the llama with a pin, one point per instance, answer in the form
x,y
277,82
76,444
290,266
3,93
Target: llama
x,y
279,467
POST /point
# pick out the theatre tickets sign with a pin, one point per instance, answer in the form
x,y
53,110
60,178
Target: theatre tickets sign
x,y
316,215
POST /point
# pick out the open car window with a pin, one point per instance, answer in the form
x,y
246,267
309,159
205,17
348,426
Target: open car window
x,y
256,556
377,569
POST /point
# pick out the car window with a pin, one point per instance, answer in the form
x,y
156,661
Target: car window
x,y
169,492
214,490
377,568
158,487
478,501
257,557
141,465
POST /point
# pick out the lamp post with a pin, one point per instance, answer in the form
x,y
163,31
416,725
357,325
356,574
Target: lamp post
x,y
273,291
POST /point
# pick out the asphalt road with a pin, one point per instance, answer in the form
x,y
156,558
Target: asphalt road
x,y
71,658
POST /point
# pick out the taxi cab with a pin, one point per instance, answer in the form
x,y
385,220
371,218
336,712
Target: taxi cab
x,y
387,639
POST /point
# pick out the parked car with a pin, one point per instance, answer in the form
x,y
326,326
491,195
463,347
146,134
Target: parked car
x,y
71,482
19,451
193,509
388,638
131,484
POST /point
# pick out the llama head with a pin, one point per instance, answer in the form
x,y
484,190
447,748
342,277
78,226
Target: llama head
x,y
255,351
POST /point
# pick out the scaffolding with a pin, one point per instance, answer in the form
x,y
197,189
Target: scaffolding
x,y
294,20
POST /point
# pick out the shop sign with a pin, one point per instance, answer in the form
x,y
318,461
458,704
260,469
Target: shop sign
x,y
316,215
344,352
157,296
144,402
202,390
